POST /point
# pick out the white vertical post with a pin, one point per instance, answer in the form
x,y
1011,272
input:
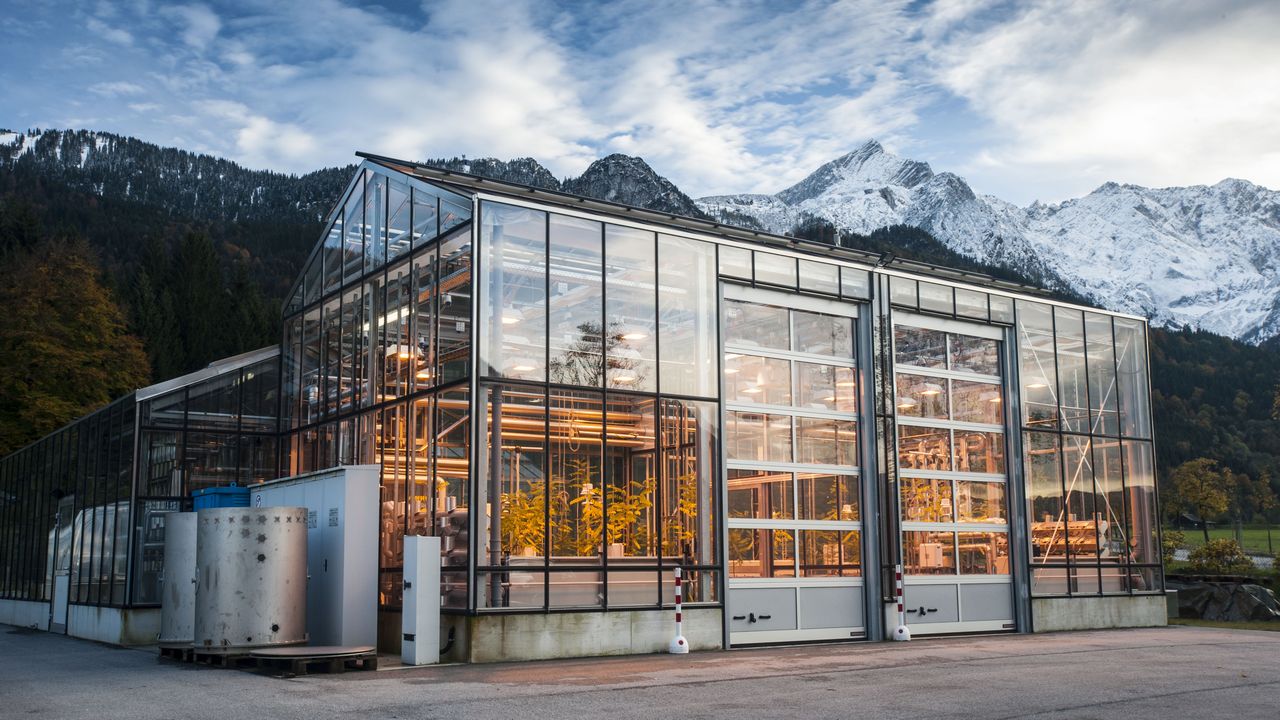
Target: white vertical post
x,y
679,646
420,619
901,633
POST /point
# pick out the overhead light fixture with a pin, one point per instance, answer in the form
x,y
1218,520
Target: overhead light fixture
x,y
625,377
523,365
753,390
730,370
423,374
906,403
846,383
634,333
931,389
990,396
1038,384
511,316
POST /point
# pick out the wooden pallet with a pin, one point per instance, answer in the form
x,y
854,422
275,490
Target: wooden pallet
x,y
235,659
329,663
180,653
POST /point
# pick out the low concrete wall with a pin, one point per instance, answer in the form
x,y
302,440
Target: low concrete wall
x,y
25,613
1093,613
497,638
117,626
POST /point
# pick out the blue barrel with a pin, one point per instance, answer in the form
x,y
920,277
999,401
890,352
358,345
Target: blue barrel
x,y
221,497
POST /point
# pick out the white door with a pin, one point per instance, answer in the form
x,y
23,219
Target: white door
x,y
953,476
792,468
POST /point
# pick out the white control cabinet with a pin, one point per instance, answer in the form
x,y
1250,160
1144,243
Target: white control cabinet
x,y
342,549
420,621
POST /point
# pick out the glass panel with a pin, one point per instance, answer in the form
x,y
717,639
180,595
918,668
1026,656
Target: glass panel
x,y
1113,525
689,452
629,502
979,452
761,553
392,446
313,277
855,283
976,402
830,553
1101,355
577,479
168,410
578,589
826,387
819,277
902,291
515,302
1082,529
1131,354
426,216
453,213
826,442
1144,520
922,396
929,552
333,249
980,502
735,262
1046,508
936,298
454,337
971,304
399,237
753,379
375,218
924,448
632,589
1038,371
975,354
760,495
518,587
919,347
755,325
926,500
577,302
828,497
775,269
1072,393
452,447
758,436
687,316
1001,309
984,553
210,461
630,309
424,318
823,334
513,484
354,237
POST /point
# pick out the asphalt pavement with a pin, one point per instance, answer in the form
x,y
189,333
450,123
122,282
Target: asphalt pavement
x,y
1149,673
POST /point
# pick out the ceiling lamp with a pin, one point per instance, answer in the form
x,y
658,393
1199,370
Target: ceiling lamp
x,y
634,333
931,389
847,383
523,365
624,377
424,374
906,403
990,396
753,390
1038,384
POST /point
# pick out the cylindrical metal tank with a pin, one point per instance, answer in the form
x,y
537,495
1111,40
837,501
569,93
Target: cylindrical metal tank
x,y
178,588
251,578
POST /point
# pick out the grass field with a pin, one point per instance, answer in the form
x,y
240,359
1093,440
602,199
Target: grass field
x,y
1241,625
1255,538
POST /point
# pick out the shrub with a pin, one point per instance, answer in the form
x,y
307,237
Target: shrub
x,y
1220,557
1171,541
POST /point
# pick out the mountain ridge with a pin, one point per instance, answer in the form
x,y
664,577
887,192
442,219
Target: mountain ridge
x,y
1203,256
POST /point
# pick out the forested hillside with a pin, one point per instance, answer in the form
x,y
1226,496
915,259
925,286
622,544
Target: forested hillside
x,y
197,253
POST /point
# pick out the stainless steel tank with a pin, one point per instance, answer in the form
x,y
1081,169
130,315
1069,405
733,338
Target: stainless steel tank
x,y
177,588
251,578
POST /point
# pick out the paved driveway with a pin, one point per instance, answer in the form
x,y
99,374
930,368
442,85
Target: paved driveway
x,y
1165,672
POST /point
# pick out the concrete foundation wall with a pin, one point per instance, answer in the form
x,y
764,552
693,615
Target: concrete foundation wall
x,y
24,613
117,626
1092,613
498,638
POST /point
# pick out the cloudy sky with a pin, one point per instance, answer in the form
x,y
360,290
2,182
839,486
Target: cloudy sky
x,y
1028,100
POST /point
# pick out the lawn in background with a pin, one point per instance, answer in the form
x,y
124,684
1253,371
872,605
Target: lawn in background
x,y
1255,538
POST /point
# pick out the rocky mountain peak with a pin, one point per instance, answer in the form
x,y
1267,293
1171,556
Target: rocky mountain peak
x,y
630,181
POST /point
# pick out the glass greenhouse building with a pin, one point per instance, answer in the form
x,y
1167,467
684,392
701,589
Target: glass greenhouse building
x,y
580,396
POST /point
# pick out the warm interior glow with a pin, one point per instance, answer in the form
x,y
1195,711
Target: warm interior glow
x,y
906,403
931,389
511,316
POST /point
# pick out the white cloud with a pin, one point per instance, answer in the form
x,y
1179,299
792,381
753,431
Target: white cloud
x,y
200,24
113,89
1152,93
111,34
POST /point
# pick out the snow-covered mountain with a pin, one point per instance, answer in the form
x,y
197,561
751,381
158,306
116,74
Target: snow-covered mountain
x,y
1204,256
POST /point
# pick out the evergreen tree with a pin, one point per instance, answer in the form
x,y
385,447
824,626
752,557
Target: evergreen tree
x,y
65,349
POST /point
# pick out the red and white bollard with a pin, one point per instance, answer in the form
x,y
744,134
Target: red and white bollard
x,y
900,633
678,646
